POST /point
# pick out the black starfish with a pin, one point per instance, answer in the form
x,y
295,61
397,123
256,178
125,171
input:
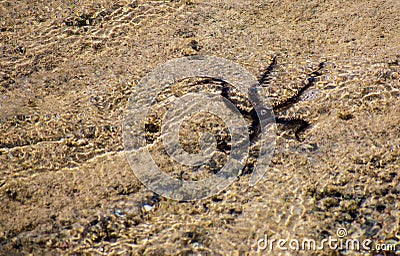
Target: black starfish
x,y
265,114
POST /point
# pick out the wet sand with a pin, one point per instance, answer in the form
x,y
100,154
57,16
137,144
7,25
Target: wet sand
x,y
68,68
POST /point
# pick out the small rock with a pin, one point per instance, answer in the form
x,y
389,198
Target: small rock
x,y
147,207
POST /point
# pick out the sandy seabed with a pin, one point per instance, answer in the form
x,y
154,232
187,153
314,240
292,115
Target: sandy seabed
x,y
67,69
